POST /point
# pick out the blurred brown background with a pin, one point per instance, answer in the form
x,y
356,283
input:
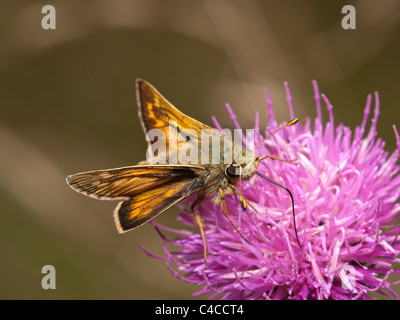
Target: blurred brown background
x,y
68,104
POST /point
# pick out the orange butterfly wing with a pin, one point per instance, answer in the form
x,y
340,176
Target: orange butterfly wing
x,y
144,207
147,191
155,112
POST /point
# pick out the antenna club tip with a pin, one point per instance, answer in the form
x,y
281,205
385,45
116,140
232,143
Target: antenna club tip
x,y
293,122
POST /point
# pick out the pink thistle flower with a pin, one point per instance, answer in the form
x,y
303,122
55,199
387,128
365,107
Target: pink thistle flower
x,y
346,189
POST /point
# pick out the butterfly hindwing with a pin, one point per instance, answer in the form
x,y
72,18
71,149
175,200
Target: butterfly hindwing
x,y
144,207
147,191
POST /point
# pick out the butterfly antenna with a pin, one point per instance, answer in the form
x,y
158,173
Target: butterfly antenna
x,y
291,197
290,123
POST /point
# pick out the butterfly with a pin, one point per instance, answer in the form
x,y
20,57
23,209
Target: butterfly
x,y
149,189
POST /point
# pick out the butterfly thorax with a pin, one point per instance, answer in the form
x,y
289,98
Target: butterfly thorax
x,y
220,176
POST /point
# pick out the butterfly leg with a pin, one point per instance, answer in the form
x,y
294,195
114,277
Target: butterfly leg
x,y
201,226
276,158
221,193
243,200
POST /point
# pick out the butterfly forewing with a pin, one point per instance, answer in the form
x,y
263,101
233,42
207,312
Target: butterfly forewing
x,y
156,112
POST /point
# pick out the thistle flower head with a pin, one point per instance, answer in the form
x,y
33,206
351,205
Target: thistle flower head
x,y
346,189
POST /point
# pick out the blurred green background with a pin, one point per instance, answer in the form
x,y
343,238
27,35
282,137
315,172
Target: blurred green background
x,y
68,104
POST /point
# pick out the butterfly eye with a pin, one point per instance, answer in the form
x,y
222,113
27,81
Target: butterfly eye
x,y
232,171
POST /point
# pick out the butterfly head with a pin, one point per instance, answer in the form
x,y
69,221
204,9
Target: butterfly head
x,y
244,164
